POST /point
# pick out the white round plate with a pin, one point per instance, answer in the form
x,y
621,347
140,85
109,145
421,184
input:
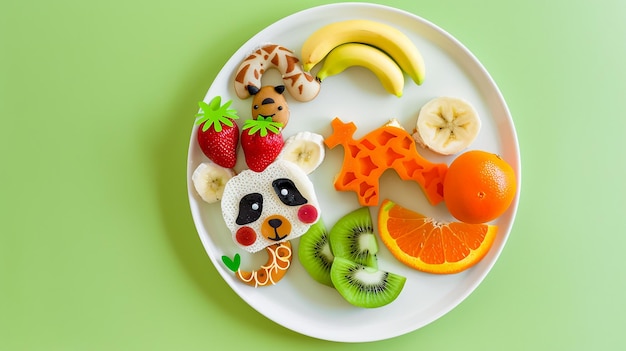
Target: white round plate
x,y
298,302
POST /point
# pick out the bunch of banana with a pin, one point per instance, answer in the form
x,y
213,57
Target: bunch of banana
x,y
383,49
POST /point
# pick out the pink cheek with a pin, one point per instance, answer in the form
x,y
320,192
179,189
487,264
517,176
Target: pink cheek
x,y
307,214
245,236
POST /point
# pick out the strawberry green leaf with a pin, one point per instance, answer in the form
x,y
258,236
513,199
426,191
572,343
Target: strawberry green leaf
x,y
273,128
262,125
215,115
215,103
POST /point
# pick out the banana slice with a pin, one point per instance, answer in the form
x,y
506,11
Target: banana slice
x,y
305,149
209,179
446,125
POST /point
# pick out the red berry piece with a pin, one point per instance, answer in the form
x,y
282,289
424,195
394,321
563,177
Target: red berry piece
x,y
307,214
261,141
245,236
218,134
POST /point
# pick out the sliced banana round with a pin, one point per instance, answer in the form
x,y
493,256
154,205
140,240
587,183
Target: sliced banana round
x,y
446,125
209,179
305,149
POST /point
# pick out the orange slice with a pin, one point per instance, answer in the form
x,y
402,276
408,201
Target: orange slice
x,y
431,246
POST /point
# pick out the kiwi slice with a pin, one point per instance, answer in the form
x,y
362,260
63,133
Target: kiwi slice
x,y
353,238
315,253
365,286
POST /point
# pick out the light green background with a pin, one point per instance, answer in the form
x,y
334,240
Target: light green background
x,y
98,250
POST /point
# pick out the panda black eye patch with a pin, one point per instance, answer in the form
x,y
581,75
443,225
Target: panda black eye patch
x,y
288,193
250,208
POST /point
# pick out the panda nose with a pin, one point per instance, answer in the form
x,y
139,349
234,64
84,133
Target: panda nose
x,y
275,223
267,101
276,228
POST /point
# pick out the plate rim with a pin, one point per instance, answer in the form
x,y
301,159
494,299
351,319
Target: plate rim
x,y
253,41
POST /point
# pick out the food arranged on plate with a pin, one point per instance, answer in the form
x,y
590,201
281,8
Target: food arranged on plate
x,y
479,187
430,245
379,35
446,125
218,134
382,65
306,149
209,180
269,101
300,84
278,262
273,201
261,142
344,257
387,147
265,208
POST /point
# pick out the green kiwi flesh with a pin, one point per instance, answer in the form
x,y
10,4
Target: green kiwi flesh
x,y
315,253
364,286
353,238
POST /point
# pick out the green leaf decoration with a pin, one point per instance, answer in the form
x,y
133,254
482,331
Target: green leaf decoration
x,y
215,103
215,115
262,125
233,264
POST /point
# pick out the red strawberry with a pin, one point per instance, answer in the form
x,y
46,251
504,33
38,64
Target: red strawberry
x,y
261,141
218,134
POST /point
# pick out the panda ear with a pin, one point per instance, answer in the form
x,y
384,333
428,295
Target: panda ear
x,y
252,89
279,89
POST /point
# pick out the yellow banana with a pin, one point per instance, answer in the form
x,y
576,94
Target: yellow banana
x,y
355,54
385,37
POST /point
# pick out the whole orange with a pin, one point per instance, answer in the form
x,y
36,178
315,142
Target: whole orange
x,y
479,186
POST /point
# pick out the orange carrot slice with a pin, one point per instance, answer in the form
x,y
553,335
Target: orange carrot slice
x,y
387,147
